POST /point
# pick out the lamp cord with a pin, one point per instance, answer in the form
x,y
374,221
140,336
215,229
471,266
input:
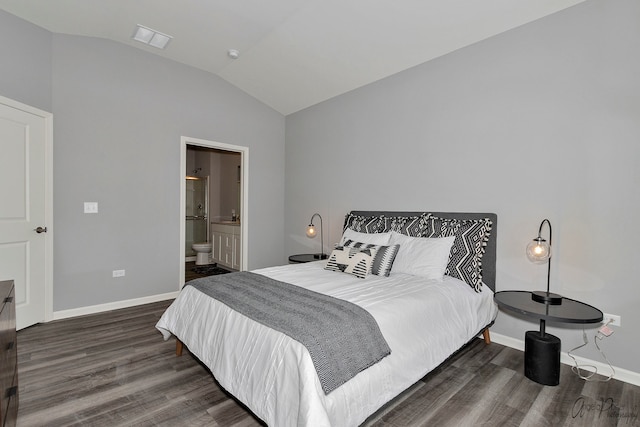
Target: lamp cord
x,y
577,369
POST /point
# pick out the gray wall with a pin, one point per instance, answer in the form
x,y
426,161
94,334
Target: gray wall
x,y
539,122
119,114
25,62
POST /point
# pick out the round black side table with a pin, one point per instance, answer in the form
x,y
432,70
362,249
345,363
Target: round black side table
x,y
542,350
300,258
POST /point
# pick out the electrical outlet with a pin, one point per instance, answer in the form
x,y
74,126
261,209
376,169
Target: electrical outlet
x,y
616,320
118,273
90,207
605,330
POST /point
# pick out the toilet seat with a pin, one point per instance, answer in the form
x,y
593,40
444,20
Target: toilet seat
x,y
203,246
203,250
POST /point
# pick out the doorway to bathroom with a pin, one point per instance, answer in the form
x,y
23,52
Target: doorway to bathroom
x,y
214,209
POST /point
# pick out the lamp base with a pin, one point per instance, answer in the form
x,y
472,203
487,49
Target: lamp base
x,y
320,256
546,297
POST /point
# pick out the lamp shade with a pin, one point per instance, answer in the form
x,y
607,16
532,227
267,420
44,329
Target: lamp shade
x,y
311,230
538,251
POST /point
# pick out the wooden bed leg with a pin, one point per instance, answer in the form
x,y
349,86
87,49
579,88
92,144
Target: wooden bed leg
x,y
486,336
179,346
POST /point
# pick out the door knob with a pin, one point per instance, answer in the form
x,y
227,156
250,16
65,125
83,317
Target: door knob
x,y
41,230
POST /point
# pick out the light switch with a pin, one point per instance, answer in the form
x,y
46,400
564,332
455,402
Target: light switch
x,y
90,207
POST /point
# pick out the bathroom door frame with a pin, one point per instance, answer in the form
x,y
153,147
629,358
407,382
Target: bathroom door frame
x,y
244,199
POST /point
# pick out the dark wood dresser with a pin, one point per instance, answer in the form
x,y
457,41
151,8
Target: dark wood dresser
x,y
8,356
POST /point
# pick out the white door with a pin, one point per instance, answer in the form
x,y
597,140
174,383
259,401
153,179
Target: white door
x,y
24,144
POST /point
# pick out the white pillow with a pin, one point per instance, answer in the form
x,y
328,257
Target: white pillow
x,y
421,256
381,239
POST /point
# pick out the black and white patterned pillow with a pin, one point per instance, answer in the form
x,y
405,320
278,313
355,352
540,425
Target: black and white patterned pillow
x,y
383,259
355,261
413,226
471,237
364,224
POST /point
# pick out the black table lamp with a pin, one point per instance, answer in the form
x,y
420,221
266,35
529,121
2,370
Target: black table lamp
x,y
311,232
539,252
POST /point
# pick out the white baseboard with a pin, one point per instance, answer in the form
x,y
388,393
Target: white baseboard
x,y
93,309
620,374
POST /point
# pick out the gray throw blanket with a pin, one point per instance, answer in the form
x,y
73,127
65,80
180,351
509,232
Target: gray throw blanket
x,y
341,337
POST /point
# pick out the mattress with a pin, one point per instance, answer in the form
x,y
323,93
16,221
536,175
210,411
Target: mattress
x,y
423,321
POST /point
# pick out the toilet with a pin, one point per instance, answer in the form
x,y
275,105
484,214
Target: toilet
x,y
202,252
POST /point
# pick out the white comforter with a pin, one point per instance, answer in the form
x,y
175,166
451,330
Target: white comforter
x,y
423,321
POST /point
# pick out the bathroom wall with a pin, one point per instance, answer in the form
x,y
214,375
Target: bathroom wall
x,y
222,169
229,185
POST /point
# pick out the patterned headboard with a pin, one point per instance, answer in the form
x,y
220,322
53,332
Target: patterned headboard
x,y
382,221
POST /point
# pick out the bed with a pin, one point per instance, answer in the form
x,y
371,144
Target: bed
x,y
423,317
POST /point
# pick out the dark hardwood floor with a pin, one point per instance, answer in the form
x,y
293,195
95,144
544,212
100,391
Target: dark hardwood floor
x,y
114,369
192,271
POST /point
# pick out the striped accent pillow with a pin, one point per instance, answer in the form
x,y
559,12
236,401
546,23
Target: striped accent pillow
x,y
354,261
383,259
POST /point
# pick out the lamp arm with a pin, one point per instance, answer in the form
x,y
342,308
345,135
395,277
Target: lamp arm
x,y
540,229
546,297
321,238
321,233
549,260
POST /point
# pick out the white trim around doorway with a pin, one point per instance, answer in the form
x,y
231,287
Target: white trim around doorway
x,y
244,201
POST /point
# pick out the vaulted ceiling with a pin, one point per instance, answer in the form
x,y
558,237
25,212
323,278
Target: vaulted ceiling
x,y
292,53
